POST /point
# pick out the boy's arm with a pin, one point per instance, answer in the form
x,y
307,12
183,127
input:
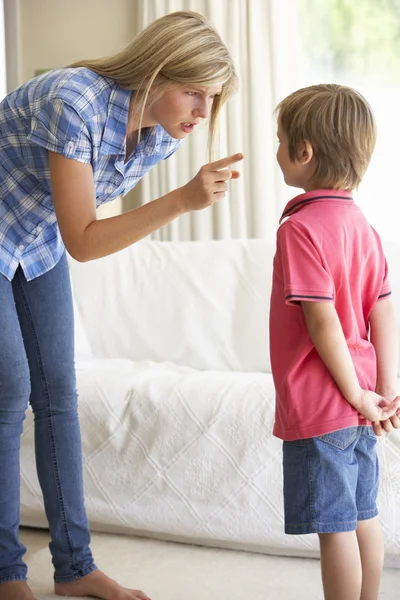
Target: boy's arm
x,y
383,336
327,336
326,333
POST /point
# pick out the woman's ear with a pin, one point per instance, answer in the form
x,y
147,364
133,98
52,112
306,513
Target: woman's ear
x,y
305,152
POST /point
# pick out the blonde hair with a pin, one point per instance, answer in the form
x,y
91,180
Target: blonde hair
x,y
179,48
339,124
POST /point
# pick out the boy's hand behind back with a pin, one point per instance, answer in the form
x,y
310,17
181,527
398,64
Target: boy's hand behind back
x,y
375,408
380,427
327,335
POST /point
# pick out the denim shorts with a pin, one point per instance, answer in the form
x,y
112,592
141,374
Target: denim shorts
x,y
330,481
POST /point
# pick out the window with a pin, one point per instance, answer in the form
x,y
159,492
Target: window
x,y
357,43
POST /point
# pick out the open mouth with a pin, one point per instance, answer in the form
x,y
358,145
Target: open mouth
x,y
188,127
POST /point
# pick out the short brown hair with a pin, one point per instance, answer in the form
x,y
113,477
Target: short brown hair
x,y
339,124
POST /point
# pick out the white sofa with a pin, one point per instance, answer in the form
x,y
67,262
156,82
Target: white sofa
x,y
177,400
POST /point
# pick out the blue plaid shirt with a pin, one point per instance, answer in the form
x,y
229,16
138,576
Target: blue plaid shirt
x,y
82,116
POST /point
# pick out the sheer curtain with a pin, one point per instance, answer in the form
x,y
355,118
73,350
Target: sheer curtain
x,y
260,38
358,44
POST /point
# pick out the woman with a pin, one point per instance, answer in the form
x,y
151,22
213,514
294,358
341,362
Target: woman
x,y
70,140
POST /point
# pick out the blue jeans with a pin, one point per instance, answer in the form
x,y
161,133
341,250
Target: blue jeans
x,y
37,366
330,481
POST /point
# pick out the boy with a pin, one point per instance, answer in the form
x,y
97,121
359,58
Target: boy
x,y
332,337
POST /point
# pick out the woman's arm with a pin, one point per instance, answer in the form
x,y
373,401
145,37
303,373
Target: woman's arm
x,y
87,238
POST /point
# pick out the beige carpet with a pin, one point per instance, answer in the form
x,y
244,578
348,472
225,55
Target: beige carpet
x,y
169,571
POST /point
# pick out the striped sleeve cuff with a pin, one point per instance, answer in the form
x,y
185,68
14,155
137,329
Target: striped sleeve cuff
x,y
384,295
297,298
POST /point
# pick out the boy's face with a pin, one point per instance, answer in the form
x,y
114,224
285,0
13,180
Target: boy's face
x,y
296,173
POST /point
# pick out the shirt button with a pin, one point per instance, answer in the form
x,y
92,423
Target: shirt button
x,y
39,229
21,247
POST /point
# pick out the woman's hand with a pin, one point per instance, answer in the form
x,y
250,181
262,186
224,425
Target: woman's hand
x,y
210,184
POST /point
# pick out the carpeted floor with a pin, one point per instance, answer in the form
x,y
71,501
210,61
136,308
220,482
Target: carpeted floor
x,y
168,571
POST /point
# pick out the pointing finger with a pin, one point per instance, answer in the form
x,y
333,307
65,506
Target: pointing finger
x,y
225,162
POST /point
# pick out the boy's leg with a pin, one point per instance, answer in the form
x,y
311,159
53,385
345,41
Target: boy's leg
x,y
321,489
368,530
340,566
370,542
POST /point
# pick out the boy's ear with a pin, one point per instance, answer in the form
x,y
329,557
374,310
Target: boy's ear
x,y
305,152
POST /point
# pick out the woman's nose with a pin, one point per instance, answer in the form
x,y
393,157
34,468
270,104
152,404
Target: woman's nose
x,y
203,108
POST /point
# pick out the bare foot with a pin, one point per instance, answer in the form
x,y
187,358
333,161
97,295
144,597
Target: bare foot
x,y
97,585
15,590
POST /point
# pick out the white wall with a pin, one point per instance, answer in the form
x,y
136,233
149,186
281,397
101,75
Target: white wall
x,y
2,53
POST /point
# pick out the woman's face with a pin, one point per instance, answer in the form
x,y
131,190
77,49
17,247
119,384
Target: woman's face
x,y
180,108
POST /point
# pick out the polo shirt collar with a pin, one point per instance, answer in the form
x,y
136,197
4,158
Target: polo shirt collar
x,y
301,200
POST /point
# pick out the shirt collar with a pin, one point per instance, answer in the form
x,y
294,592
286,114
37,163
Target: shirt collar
x,y
151,140
114,134
301,200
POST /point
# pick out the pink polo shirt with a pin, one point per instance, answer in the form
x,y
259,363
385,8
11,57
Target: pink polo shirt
x,y
326,252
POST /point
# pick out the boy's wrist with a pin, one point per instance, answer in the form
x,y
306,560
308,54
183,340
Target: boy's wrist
x,y
389,391
354,397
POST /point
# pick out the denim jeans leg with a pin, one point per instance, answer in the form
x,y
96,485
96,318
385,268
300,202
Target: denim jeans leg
x,y
14,398
45,312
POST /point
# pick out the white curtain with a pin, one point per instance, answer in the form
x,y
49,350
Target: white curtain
x,y
256,32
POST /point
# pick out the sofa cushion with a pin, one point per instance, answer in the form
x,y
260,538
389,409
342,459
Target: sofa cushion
x,y
199,304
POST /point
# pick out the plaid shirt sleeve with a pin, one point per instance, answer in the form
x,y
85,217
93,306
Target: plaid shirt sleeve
x,y
57,127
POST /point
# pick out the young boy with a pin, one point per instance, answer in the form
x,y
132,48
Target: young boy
x,y
332,337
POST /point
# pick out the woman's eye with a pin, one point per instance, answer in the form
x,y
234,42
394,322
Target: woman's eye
x,y
192,93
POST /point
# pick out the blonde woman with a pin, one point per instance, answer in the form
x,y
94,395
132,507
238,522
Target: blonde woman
x,y
72,139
